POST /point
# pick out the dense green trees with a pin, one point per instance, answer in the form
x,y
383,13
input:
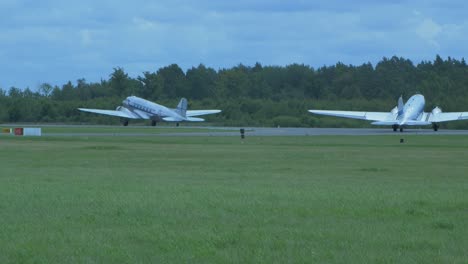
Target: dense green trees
x,y
253,95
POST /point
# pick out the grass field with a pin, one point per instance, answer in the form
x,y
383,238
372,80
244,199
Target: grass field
x,y
318,199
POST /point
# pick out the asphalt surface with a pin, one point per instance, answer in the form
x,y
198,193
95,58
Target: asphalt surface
x,y
250,131
261,131
256,131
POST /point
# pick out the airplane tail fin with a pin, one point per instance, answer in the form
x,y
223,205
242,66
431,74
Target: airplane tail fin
x,y
182,107
400,105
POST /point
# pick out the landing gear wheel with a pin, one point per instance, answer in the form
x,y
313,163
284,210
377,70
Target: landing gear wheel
x,y
177,124
435,126
124,121
153,123
401,129
395,127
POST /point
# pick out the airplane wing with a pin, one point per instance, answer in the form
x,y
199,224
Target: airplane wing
x,y
123,114
449,116
371,116
190,113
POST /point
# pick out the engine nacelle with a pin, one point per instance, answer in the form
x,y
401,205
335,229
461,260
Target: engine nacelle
x,y
436,110
124,109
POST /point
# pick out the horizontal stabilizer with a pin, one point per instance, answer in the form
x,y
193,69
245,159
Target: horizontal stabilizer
x,y
190,119
417,123
172,119
385,123
407,123
201,112
195,119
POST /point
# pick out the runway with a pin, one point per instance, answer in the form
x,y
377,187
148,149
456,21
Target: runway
x,y
263,131
256,131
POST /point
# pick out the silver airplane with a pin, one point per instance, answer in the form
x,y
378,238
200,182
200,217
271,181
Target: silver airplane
x,y
406,114
134,107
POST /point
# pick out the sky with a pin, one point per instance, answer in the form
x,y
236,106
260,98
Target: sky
x,y
56,41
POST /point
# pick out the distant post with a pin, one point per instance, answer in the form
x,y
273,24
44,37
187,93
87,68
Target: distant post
x,y
242,133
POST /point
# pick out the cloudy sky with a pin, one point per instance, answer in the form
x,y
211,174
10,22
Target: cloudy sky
x,y
55,41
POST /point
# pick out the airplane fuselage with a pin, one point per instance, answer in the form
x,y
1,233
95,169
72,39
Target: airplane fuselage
x,y
412,110
148,109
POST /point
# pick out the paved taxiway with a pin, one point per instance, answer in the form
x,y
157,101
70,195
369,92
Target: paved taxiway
x,y
263,131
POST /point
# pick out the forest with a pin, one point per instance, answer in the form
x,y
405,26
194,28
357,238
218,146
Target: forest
x,y
252,95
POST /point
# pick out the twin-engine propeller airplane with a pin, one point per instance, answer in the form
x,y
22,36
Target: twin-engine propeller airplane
x,y
409,114
139,108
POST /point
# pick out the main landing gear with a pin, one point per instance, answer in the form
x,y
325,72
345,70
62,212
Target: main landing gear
x,y
124,122
435,126
395,128
153,122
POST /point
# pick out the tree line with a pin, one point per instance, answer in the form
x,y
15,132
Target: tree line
x,y
252,95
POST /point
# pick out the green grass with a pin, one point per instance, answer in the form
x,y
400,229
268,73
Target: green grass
x,y
327,199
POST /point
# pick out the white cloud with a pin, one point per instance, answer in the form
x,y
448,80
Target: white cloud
x,y
144,24
86,38
429,30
